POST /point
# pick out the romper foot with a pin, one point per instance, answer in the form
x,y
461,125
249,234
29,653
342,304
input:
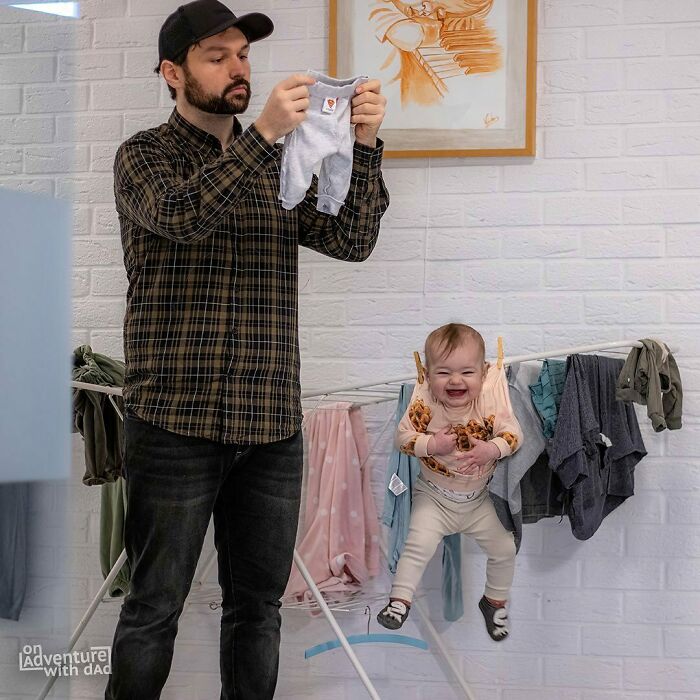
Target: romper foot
x,y
393,615
496,620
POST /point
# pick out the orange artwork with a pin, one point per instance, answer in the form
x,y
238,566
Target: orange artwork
x,y
435,41
459,75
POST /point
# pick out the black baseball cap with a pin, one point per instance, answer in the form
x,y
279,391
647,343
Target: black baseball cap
x,y
200,19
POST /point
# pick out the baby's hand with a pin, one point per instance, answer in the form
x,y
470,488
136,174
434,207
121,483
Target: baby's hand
x,y
443,442
481,453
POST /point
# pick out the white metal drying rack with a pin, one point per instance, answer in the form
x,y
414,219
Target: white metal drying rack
x,y
373,392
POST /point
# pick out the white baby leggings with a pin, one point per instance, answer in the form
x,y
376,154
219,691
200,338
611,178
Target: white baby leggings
x,y
433,517
326,136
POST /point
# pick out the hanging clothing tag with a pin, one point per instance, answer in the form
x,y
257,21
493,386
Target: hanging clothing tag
x,y
606,440
329,105
396,486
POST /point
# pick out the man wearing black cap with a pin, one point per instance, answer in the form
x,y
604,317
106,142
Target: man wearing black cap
x,y
212,395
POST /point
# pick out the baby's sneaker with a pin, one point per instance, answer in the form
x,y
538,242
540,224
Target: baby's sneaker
x,y
496,620
393,615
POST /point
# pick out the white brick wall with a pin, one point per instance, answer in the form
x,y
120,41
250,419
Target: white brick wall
x,y
596,238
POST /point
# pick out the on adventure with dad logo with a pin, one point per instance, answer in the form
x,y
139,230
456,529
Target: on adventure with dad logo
x,y
96,661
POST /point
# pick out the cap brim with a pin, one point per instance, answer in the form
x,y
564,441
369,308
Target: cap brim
x,y
254,25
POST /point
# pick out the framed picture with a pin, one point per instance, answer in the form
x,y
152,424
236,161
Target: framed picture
x,y
459,75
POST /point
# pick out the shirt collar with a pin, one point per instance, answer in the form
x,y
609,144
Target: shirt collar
x,y
196,136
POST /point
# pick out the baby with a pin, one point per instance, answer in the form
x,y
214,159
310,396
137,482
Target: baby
x,y
459,423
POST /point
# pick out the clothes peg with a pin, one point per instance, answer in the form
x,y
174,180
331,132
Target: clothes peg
x,y
419,367
499,364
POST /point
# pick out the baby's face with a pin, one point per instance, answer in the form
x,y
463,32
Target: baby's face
x,y
457,379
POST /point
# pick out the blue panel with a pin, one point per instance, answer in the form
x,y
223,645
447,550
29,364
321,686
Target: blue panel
x,y
35,398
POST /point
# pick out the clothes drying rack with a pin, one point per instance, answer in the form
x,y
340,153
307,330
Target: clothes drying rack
x,y
373,392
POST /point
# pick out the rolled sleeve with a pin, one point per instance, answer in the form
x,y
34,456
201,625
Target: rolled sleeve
x,y
421,446
367,161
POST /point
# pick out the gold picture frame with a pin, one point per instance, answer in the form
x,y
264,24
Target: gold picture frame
x,y
468,63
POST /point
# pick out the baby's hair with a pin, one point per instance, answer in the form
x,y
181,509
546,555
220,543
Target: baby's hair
x,y
444,340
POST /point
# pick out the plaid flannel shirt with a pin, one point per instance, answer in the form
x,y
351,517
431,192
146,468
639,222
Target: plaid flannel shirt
x,y
210,331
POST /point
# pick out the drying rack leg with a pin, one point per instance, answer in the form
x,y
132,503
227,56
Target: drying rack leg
x,y
208,563
86,617
436,638
205,570
335,627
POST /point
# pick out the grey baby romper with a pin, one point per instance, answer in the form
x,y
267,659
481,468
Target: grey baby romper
x,y
325,136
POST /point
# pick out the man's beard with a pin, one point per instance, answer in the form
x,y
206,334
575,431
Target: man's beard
x,y
226,103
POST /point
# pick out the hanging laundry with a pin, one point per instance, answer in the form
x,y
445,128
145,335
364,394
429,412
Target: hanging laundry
x,y
504,489
94,415
541,491
546,393
14,516
596,443
112,515
650,377
326,137
103,433
340,546
402,472
371,519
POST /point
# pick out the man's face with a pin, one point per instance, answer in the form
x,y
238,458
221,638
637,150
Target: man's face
x,y
217,74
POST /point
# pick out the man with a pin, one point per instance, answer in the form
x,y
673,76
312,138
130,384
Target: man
x,y
212,394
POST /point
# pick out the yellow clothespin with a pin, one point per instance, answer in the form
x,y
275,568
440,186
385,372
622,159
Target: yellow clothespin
x,y
419,367
499,364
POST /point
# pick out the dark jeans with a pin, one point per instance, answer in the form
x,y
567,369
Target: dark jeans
x,y
174,484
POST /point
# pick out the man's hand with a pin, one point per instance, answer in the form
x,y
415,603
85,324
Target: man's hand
x,y
443,442
285,108
367,113
481,453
